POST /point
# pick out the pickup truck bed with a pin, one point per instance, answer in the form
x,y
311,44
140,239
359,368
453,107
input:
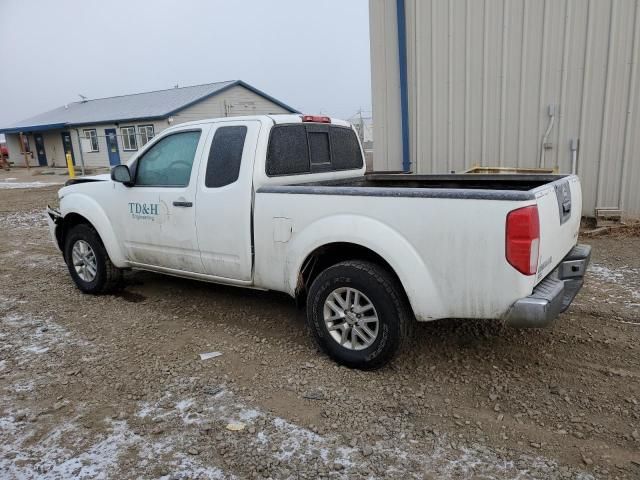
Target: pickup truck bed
x,y
447,232
451,182
479,187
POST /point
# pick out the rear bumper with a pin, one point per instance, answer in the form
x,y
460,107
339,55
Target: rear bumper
x,y
554,294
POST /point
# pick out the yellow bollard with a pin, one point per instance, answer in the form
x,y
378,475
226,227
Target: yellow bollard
x,y
72,172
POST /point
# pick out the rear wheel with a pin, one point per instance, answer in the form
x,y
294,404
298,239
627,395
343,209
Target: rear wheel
x,y
88,262
358,314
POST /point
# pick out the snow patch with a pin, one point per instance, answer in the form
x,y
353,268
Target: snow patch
x,y
49,459
37,349
23,387
183,405
34,335
626,279
249,414
12,185
29,338
604,273
24,220
283,441
299,442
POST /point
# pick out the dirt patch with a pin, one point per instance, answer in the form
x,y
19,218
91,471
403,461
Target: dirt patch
x,y
113,386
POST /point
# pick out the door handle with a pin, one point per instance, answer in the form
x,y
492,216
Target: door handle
x,y
182,204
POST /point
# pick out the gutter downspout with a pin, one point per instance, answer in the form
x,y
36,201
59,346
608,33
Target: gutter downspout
x,y
404,86
574,145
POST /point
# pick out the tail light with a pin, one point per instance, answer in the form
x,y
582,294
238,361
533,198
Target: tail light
x,y
523,239
316,118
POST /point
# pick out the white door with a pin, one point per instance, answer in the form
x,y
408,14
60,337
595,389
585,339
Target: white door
x,y
157,213
224,200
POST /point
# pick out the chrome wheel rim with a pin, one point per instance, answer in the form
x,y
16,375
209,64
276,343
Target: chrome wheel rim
x,y
84,261
351,318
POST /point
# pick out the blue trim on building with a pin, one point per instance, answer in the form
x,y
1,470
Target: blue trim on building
x,y
33,128
404,85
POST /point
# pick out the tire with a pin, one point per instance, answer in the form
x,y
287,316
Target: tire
x,y
375,286
107,278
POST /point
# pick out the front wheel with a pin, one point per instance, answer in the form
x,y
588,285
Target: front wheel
x,y
358,314
88,261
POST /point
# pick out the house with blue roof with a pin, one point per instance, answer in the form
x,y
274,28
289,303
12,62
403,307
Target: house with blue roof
x,y
107,131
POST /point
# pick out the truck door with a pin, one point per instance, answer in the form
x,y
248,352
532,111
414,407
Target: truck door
x,y
224,200
157,214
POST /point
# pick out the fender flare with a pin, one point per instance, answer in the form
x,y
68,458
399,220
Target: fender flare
x,y
381,239
88,208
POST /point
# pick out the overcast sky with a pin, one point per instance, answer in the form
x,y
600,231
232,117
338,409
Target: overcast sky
x,y
310,54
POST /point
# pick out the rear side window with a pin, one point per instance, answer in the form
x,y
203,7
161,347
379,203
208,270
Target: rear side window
x,y
310,148
225,156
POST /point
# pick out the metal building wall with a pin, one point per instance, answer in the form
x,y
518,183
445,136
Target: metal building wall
x,y
385,85
481,77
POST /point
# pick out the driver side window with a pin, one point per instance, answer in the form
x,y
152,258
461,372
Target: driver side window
x,y
168,163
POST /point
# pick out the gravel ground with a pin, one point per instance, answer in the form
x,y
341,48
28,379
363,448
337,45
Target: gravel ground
x,y
36,177
114,387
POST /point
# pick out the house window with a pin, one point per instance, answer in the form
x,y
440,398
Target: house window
x,y
146,133
92,139
129,138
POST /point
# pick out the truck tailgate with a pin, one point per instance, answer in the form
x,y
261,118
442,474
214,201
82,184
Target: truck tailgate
x,y
560,211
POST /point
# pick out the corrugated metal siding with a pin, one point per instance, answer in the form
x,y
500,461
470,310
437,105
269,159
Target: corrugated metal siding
x,y
386,86
482,74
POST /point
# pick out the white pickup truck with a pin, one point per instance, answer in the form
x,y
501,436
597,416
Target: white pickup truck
x,y
283,203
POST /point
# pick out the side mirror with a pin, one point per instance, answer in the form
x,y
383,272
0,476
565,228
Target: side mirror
x,y
121,174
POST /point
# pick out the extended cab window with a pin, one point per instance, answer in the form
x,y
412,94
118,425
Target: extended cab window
x,y
345,149
288,152
225,156
296,149
168,163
